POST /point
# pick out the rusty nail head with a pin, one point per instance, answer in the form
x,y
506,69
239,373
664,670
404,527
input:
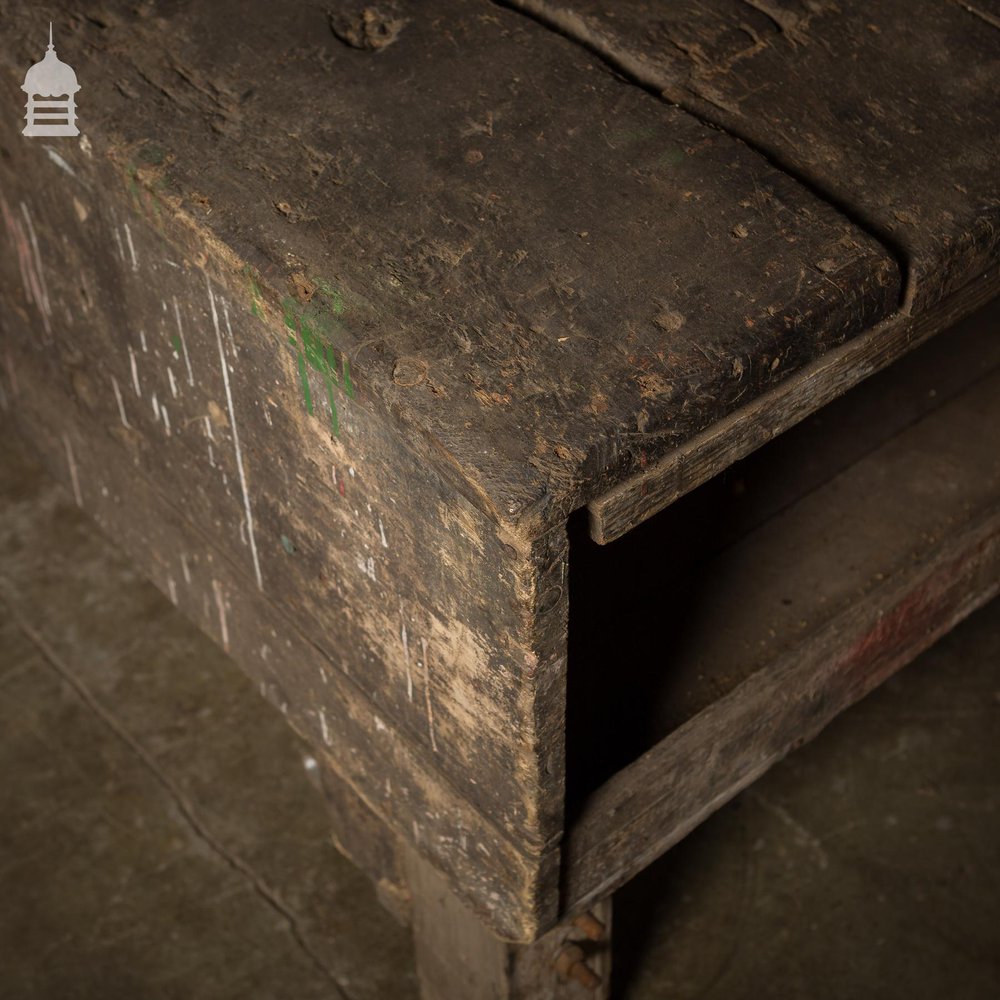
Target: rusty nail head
x,y
590,925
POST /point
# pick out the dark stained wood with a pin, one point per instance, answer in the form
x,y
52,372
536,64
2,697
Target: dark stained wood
x,y
334,350
646,493
328,565
900,547
458,959
888,110
545,294
719,584
363,837
401,784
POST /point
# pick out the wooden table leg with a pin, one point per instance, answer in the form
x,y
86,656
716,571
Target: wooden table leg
x,y
459,959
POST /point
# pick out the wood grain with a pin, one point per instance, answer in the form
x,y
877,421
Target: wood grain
x,y
544,294
706,454
887,110
926,507
458,959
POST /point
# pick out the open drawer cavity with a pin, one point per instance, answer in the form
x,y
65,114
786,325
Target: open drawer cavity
x,y
731,627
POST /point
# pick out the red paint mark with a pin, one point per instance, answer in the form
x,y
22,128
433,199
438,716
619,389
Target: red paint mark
x,y
340,486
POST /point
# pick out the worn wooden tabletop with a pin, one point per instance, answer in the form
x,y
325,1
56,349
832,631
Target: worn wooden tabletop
x,y
335,313
550,272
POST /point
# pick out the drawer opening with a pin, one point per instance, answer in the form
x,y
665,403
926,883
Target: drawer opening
x,y
743,571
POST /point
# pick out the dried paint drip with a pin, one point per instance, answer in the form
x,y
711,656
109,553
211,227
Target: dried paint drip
x,y
427,694
315,353
236,437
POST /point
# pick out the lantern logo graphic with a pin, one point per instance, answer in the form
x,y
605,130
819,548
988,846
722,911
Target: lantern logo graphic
x,y
51,78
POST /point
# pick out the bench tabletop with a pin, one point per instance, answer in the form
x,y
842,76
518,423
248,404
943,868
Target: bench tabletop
x,y
551,275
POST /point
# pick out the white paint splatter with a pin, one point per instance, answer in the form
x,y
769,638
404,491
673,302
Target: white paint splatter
x,y
156,407
166,419
380,726
121,402
381,532
367,566
172,589
180,334
236,438
135,371
59,161
73,474
325,728
131,248
220,603
229,329
185,569
427,694
142,341
172,381
406,659
121,248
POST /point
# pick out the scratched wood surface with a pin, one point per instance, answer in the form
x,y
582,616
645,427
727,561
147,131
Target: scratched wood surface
x,y
334,349
341,630
808,391
887,109
549,291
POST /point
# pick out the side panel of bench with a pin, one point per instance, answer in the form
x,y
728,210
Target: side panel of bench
x,y
227,442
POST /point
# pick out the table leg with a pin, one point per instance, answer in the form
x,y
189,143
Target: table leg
x,y
459,959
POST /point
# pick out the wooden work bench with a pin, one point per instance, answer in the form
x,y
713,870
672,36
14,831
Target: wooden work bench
x,y
421,353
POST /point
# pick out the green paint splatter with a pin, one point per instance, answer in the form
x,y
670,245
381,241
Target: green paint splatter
x,y
175,343
304,378
151,153
313,325
288,545
348,384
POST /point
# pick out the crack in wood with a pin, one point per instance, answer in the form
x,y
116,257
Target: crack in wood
x,y
636,72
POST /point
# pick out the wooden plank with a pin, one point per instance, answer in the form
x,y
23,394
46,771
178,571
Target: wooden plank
x,y
362,837
535,329
888,110
458,959
339,531
924,511
511,884
645,494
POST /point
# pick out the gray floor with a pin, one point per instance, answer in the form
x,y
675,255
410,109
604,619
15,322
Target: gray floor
x,y
159,836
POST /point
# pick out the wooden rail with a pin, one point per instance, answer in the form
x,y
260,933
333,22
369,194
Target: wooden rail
x,y
734,437
929,501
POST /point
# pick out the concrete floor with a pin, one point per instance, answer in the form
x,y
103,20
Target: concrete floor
x,y
159,836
